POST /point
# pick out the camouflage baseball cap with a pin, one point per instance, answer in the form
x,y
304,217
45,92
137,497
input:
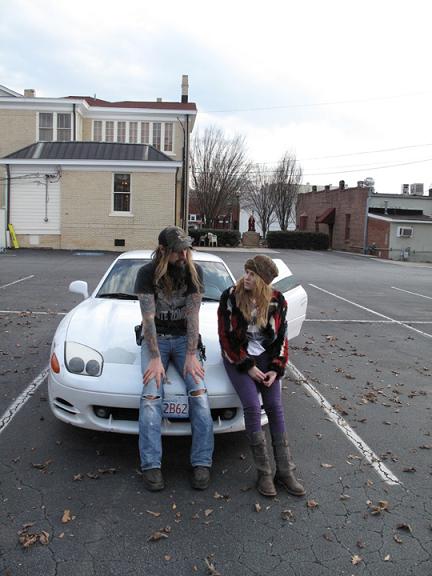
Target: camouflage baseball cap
x,y
175,239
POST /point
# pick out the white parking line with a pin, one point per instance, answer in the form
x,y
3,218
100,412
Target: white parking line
x,y
346,321
32,313
16,281
372,311
353,437
413,293
14,408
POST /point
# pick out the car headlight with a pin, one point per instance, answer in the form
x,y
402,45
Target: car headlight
x,y
80,359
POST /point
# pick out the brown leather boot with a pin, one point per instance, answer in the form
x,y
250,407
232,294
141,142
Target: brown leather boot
x,y
284,466
265,484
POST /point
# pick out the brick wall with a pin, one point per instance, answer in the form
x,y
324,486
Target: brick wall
x,y
86,199
17,129
378,234
348,201
39,240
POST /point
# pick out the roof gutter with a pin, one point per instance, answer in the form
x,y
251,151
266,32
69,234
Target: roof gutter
x,y
135,164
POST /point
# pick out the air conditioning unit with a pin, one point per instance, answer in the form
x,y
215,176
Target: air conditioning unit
x,y
405,189
417,189
404,232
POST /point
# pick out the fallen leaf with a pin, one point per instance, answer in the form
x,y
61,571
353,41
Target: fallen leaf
x,y
92,475
387,558
340,409
208,512
107,470
344,497
287,515
426,447
257,507
66,517
44,538
397,539
360,544
77,477
27,539
324,465
158,535
155,514
218,496
211,568
167,557
405,527
380,507
356,559
409,469
312,504
43,466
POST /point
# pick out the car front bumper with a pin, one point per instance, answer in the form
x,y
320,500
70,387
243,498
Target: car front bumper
x,y
78,407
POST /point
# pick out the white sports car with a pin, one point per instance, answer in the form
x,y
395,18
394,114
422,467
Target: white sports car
x,y
95,376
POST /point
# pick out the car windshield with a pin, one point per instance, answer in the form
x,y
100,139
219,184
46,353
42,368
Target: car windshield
x,y
120,282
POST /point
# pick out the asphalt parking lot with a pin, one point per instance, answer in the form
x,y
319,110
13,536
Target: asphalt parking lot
x,y
358,399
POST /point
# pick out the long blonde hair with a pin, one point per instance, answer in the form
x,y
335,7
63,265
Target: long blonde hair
x,y
259,298
164,280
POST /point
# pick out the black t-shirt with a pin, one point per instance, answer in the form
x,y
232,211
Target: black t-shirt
x,y
170,317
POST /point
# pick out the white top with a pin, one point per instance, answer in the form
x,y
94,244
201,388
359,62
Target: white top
x,y
254,336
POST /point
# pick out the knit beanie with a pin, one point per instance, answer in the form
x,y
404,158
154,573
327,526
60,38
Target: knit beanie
x,y
263,266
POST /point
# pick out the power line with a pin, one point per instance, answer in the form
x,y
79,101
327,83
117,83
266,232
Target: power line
x,y
316,104
337,171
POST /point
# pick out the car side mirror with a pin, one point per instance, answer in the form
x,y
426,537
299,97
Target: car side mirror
x,y
79,287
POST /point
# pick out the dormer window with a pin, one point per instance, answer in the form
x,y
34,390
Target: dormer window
x,y
55,126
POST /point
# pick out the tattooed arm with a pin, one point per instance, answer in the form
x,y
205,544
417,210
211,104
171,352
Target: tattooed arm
x,y
155,368
192,364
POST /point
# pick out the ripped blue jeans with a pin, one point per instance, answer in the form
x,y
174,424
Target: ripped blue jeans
x,y
150,414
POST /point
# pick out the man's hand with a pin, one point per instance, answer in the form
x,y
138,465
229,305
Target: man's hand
x,y
256,374
269,378
154,370
193,367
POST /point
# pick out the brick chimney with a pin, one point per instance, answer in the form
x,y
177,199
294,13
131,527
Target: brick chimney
x,y
185,88
341,184
29,93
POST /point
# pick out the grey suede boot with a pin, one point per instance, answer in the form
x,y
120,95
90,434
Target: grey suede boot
x,y
265,484
284,466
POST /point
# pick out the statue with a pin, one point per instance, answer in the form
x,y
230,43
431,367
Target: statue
x,y
251,223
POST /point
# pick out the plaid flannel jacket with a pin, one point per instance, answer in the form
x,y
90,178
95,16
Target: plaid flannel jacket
x,y
233,327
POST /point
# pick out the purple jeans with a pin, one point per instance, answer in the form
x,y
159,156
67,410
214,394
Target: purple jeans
x,y
249,390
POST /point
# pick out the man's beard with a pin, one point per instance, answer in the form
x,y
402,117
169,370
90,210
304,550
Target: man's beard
x,y
177,271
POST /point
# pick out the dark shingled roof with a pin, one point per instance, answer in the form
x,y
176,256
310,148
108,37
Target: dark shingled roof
x,y
90,151
131,104
404,217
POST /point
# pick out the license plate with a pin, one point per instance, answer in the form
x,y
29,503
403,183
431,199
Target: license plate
x,y
175,407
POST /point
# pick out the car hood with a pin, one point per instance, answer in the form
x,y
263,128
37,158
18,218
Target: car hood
x,y
107,325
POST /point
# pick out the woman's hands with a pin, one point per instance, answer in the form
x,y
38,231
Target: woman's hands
x,y
266,378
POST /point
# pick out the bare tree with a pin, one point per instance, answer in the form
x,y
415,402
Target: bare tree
x,y
258,197
219,167
285,186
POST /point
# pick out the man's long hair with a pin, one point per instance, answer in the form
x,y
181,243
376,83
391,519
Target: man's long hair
x,y
165,281
259,298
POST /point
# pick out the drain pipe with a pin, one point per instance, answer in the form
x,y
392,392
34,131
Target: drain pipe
x,y
365,228
8,193
46,197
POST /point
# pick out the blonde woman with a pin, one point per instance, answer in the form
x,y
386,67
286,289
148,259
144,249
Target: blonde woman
x,y
252,335
169,289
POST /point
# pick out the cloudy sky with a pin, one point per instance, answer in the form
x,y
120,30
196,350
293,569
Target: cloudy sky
x,y
344,85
